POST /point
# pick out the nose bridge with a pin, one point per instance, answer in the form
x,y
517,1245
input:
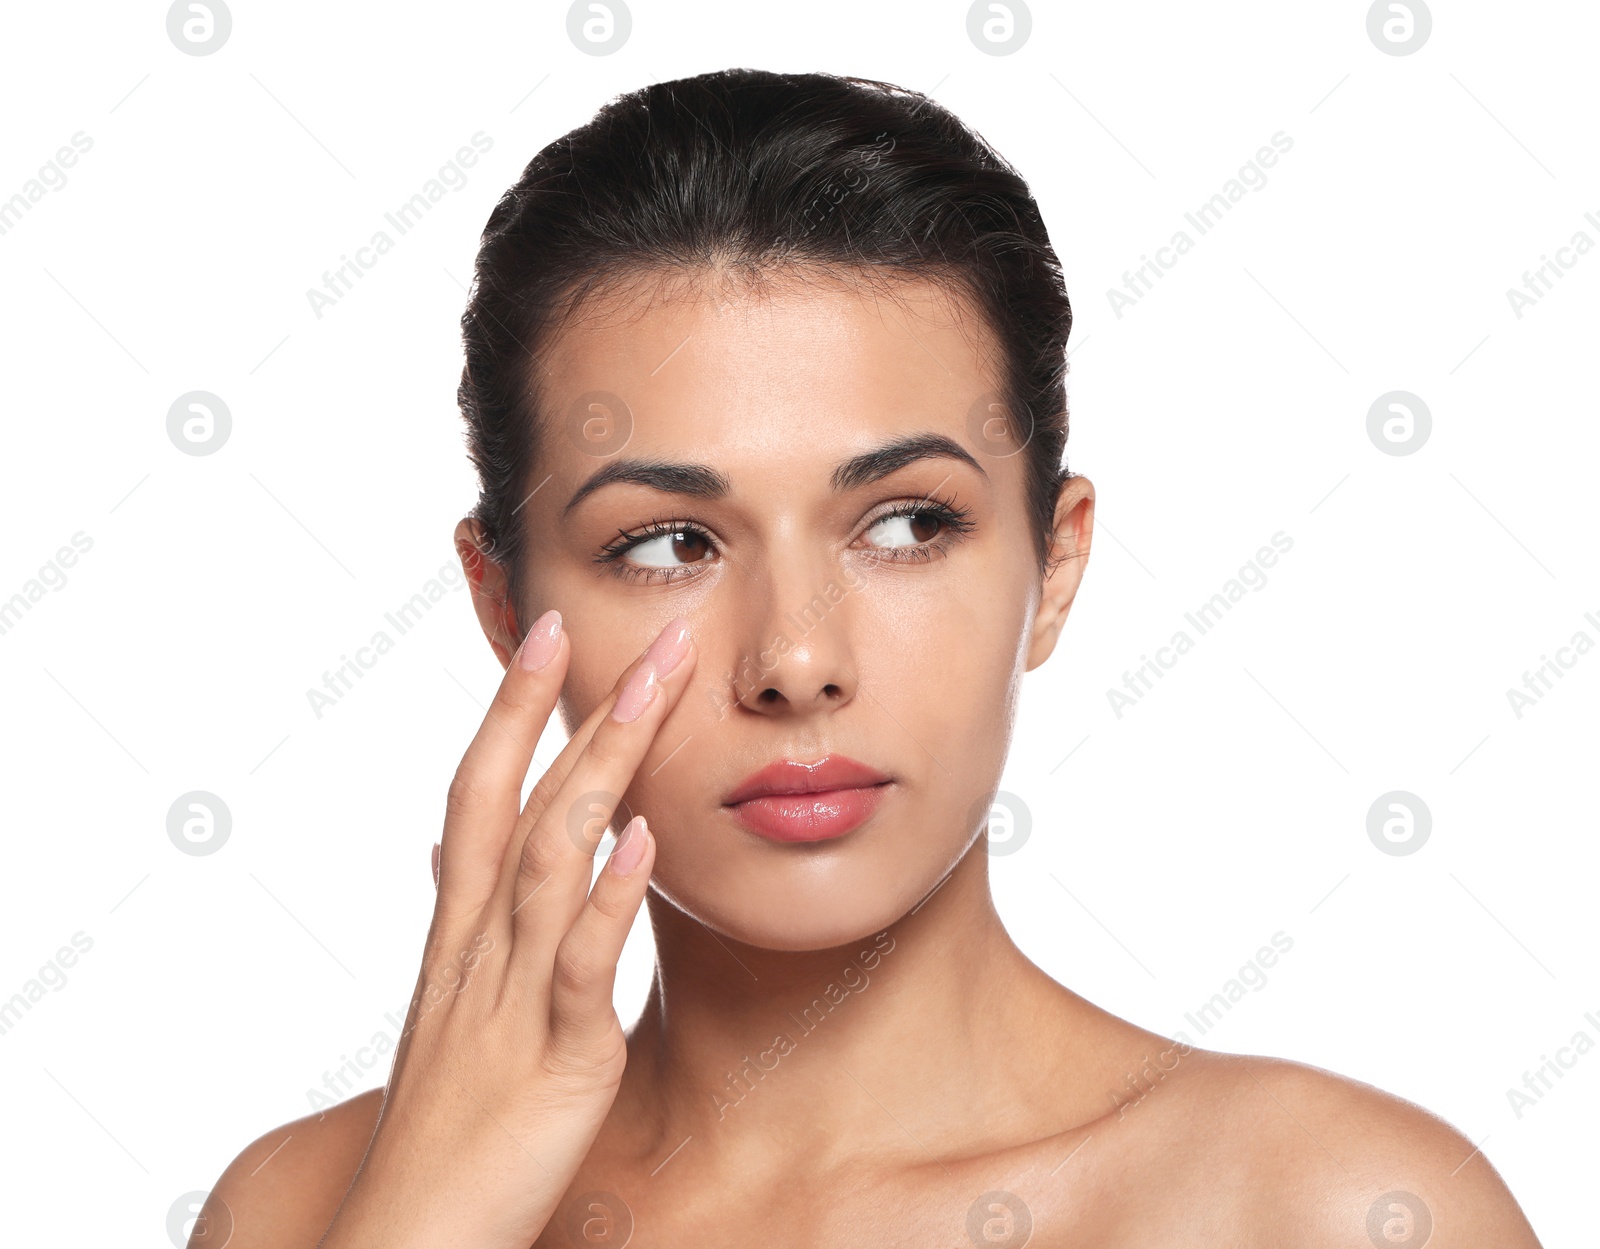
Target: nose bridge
x,y
796,650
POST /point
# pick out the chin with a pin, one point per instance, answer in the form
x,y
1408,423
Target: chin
x,y
802,905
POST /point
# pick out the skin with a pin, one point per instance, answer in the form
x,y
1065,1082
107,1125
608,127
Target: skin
x,y
954,1067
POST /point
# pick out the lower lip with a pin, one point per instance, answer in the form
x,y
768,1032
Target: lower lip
x,y
809,817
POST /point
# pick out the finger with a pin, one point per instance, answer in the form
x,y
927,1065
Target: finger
x,y
546,787
584,970
557,862
549,784
486,791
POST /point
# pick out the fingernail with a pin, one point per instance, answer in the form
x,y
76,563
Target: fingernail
x,y
637,693
663,655
436,865
670,646
542,642
630,848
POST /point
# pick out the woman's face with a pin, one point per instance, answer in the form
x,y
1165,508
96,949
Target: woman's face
x,y
826,623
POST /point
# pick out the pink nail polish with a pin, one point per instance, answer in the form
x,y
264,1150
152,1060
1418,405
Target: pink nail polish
x,y
663,655
637,693
630,849
670,646
542,642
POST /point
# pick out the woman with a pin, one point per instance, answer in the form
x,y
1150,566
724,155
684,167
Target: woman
x,y
765,379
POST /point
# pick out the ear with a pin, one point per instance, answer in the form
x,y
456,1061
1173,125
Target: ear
x,y
1069,553
490,592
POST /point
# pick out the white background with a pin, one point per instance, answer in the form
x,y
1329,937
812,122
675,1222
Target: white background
x,y
1229,404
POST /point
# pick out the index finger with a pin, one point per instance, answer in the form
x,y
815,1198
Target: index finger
x,y
549,784
556,847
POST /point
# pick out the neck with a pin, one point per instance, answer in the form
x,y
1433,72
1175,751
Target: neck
x,y
923,1039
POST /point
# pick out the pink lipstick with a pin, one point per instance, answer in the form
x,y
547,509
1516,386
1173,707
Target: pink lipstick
x,y
792,801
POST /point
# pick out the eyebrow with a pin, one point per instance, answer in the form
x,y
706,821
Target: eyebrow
x,y
701,481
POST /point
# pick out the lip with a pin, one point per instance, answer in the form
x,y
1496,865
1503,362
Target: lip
x,y
792,801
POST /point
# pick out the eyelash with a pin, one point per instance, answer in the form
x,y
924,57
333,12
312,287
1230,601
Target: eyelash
x,y
957,522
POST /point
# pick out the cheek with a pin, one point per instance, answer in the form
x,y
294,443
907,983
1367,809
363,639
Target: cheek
x,y
943,679
578,698
594,666
948,656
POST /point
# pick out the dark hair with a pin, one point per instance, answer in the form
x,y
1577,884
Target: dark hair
x,y
750,170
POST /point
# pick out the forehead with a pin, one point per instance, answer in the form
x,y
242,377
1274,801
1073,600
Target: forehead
x,y
812,363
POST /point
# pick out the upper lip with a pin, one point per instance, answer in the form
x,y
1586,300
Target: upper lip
x,y
788,776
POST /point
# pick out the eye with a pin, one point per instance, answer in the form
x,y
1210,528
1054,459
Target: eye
x,y
904,529
664,549
656,554
919,530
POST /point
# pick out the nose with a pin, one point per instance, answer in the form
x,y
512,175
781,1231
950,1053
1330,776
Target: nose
x,y
796,656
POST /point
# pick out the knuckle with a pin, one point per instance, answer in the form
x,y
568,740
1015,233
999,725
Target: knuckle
x,y
467,794
603,749
540,796
569,972
584,1056
564,1063
535,863
610,906
515,700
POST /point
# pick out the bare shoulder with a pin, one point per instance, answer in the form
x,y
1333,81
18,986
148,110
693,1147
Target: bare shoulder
x,y
1336,1161
283,1189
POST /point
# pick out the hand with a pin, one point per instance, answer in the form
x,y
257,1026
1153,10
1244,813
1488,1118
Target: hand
x,y
512,1052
